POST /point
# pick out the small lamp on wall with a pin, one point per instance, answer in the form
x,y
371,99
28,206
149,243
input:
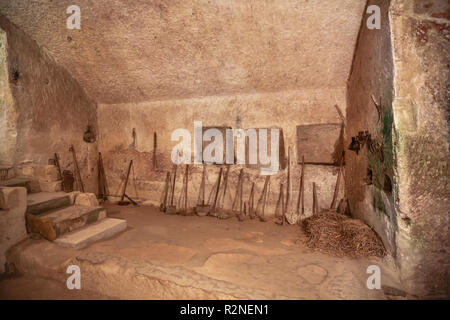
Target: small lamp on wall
x,y
89,135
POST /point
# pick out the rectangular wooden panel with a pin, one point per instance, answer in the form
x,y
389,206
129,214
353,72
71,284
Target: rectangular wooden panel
x,y
320,143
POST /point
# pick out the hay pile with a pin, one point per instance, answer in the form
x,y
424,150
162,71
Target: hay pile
x,y
338,234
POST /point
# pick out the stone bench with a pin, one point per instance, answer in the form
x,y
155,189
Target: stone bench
x,y
13,204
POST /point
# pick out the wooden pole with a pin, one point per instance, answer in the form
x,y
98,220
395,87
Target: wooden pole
x,y
261,202
126,181
58,166
102,190
302,186
186,188
266,193
155,144
173,184
217,191
225,187
163,204
251,201
201,193
279,210
338,182
77,169
288,185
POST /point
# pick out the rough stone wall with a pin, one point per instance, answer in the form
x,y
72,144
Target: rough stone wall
x,y
421,35
405,66
372,74
52,109
13,204
285,109
177,49
8,117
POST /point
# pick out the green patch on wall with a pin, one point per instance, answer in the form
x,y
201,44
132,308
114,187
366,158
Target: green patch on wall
x,y
378,203
382,163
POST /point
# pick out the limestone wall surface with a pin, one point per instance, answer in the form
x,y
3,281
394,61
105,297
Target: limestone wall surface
x,y
284,110
372,75
51,110
8,118
404,65
13,203
421,34
137,51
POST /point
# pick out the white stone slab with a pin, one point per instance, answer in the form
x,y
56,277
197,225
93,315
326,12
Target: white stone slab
x,y
100,230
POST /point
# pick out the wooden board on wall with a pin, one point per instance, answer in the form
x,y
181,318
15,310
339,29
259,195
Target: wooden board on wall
x,y
281,150
320,143
222,130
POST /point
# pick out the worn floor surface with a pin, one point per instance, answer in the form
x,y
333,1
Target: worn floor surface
x,y
177,257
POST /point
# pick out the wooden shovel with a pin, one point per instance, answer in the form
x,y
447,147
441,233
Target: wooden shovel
x,y
163,205
202,208
172,208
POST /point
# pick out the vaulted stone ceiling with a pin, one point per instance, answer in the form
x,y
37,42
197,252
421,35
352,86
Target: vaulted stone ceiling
x,y
136,50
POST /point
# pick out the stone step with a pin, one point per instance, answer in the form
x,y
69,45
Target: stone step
x,y
17,182
53,224
99,230
41,202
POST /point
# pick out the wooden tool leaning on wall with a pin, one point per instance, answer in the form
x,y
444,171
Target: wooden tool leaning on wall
x,y
184,209
288,187
213,211
261,206
56,163
155,145
122,201
102,186
58,166
279,209
77,169
202,208
238,197
251,200
338,182
301,194
163,205
222,213
172,208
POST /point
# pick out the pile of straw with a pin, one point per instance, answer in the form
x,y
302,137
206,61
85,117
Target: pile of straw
x,y
338,234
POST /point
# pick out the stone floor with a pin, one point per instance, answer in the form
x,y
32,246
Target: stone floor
x,y
188,257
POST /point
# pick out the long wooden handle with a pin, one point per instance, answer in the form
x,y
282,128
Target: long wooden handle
x,y
288,184
173,184
201,192
241,190
155,144
186,187
225,185
251,199
338,182
217,190
166,189
77,169
126,180
302,186
58,166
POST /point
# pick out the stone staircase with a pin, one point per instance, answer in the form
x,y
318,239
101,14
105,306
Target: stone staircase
x,y
72,220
